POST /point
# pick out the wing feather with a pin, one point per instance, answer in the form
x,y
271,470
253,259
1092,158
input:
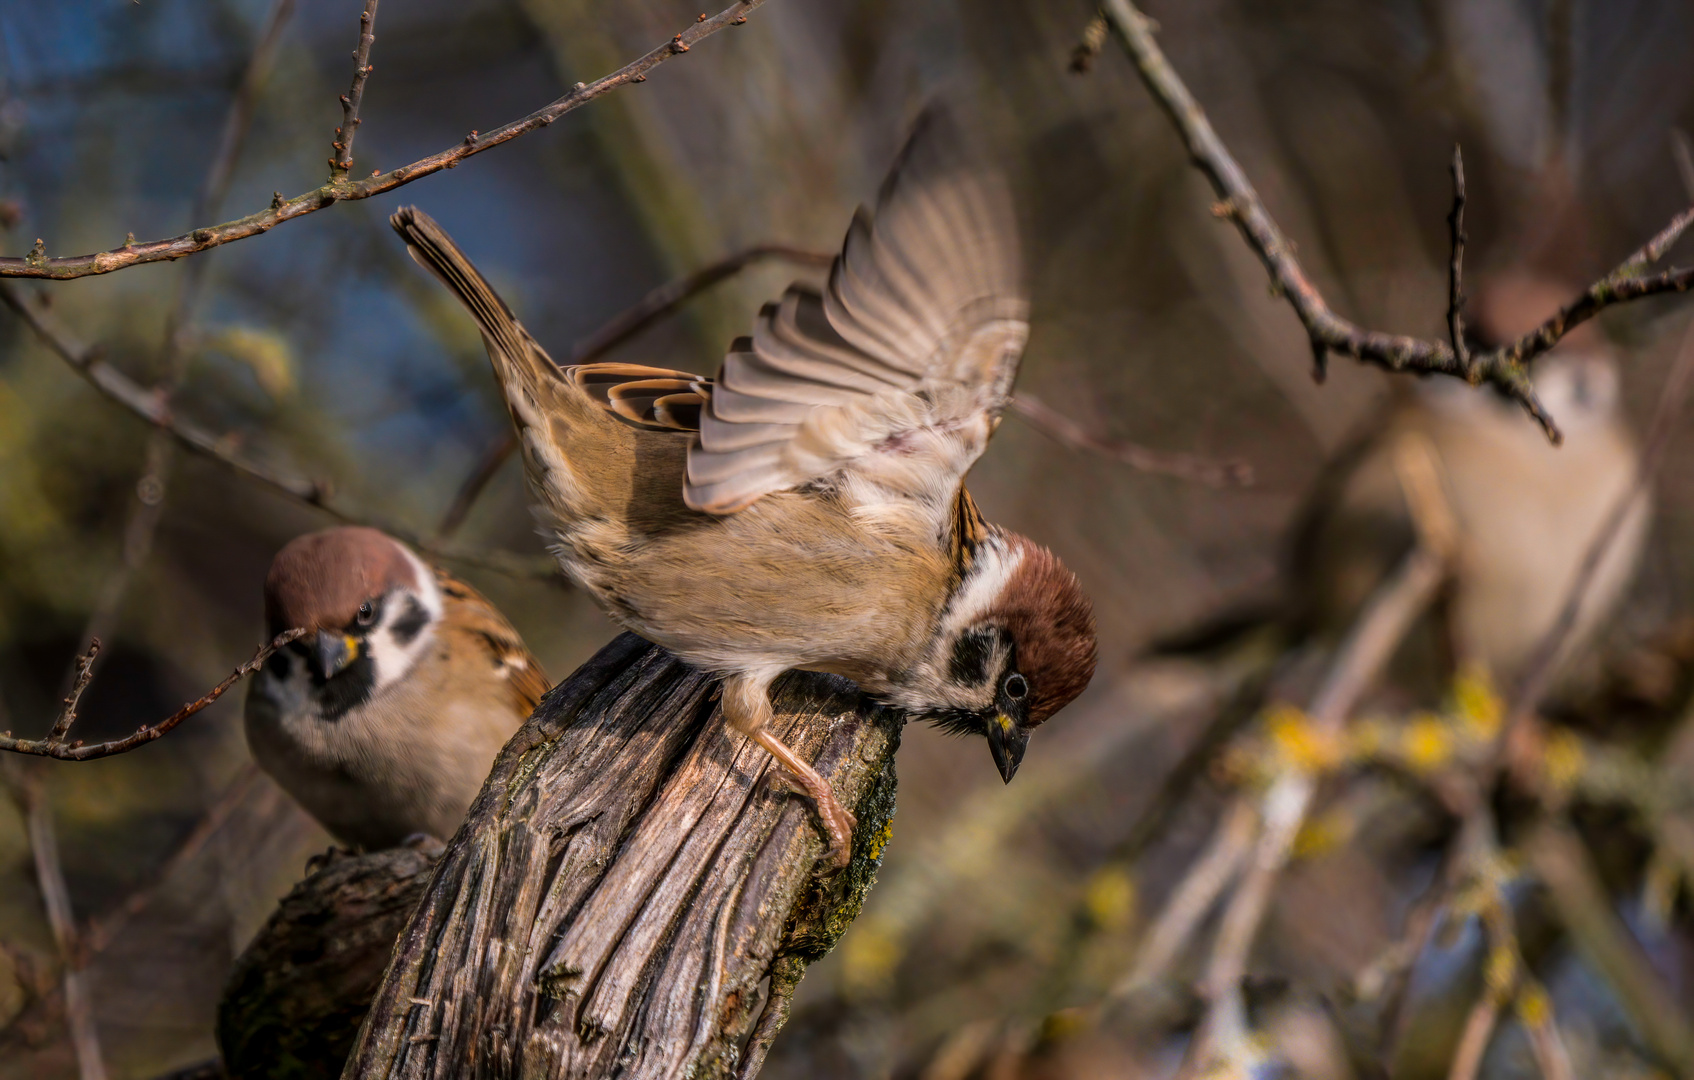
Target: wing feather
x,y
898,371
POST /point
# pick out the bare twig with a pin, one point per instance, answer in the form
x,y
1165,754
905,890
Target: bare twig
x,y
1539,671
281,210
1225,472
1456,264
475,482
1684,160
341,156
27,788
1506,367
58,745
665,299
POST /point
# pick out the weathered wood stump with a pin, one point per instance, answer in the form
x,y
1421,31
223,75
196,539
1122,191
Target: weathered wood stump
x,y
627,880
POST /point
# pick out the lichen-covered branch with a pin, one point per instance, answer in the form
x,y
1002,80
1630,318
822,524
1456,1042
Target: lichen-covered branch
x,y
630,874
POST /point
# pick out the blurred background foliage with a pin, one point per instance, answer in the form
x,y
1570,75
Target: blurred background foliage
x,y
320,348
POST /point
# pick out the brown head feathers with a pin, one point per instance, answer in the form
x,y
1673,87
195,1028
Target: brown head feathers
x,y
1052,622
318,581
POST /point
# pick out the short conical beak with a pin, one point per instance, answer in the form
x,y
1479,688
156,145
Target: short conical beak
x,y
333,651
1006,741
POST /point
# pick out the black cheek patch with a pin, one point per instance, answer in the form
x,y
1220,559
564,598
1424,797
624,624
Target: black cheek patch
x,y
411,622
971,653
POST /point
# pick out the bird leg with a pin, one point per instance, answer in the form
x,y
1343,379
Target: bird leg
x,y
747,706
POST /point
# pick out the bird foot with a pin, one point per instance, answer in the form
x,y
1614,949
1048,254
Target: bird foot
x,y
837,821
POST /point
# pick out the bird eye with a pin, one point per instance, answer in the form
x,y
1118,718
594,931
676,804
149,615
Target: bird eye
x,y
1016,686
367,613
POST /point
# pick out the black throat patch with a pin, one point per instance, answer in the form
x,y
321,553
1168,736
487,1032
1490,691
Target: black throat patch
x,y
347,689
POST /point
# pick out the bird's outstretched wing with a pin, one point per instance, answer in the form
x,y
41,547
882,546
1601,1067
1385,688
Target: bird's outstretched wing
x,y
898,371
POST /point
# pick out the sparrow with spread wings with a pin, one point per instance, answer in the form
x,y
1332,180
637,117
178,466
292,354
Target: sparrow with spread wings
x,y
806,509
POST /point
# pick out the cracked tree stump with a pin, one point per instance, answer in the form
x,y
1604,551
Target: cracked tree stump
x,y
627,880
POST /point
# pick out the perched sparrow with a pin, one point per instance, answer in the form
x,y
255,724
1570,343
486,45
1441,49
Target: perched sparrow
x,y
807,510
384,720
1527,511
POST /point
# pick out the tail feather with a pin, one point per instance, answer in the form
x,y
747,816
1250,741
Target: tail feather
x,y
510,347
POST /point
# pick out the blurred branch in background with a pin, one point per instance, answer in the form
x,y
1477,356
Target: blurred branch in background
x,y
150,405
1505,367
1224,1039
339,189
58,744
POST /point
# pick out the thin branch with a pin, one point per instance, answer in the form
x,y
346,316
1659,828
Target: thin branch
x,y
341,156
281,210
1216,473
1506,368
58,745
149,404
31,797
475,482
1193,899
665,299
1456,265
1538,673
1473,1042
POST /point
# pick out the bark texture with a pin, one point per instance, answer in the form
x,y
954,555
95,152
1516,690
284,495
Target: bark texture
x,y
627,880
297,994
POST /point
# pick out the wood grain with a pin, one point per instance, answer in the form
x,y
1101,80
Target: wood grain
x,y
627,879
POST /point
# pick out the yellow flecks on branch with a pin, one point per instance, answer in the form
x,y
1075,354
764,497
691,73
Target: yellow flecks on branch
x,y
1533,1006
1479,708
1110,899
1298,741
879,840
1427,743
1501,973
1563,760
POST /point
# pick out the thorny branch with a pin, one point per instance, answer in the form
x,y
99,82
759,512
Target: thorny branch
x,y
38,264
1506,367
58,744
341,156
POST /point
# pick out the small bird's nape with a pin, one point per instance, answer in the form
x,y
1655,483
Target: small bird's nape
x,y
1052,623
